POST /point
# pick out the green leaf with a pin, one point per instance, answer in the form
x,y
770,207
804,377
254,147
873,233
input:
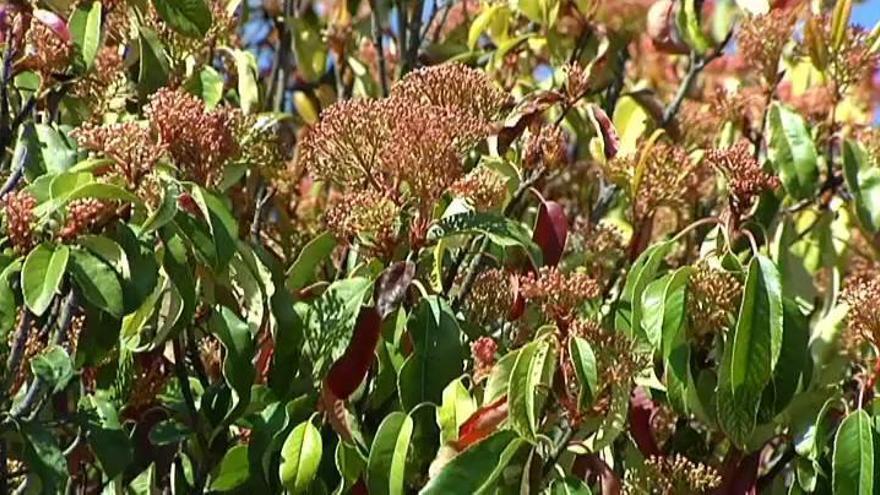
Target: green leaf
x,y
793,361
153,70
9,307
476,470
586,369
44,458
530,382
792,152
751,353
854,455
329,322
85,31
863,179
500,230
54,367
689,26
386,466
41,276
665,322
188,17
238,369
309,48
107,438
437,357
628,316
207,84
839,23
221,224
455,408
302,271
300,457
248,88
498,381
233,471
481,23
97,281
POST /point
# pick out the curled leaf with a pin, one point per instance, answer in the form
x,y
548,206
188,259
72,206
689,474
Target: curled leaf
x,y
54,22
551,231
392,285
482,423
351,368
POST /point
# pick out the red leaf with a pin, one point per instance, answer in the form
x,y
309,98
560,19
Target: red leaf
x,y
609,133
482,423
518,306
641,409
350,370
53,22
551,231
662,28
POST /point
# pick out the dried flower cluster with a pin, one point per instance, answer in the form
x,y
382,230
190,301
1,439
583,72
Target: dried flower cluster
x,y
490,298
484,188
559,294
746,180
49,52
19,218
130,145
409,147
369,216
200,141
617,359
761,40
849,62
862,295
546,145
669,178
454,86
671,475
601,247
713,299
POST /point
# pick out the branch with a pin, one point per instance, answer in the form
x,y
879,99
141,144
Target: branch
x,y
696,63
414,39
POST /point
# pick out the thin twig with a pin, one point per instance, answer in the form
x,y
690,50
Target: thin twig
x,y
380,49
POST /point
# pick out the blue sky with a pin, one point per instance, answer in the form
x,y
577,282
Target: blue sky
x,y
867,14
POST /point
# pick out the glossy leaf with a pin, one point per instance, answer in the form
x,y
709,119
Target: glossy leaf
x,y
551,231
300,456
792,152
437,357
585,367
302,271
500,230
188,17
751,352
854,455
863,179
628,316
386,466
477,469
85,31
233,471
97,281
530,381
53,366
41,276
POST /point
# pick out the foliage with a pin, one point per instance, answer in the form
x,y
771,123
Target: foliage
x,y
537,246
